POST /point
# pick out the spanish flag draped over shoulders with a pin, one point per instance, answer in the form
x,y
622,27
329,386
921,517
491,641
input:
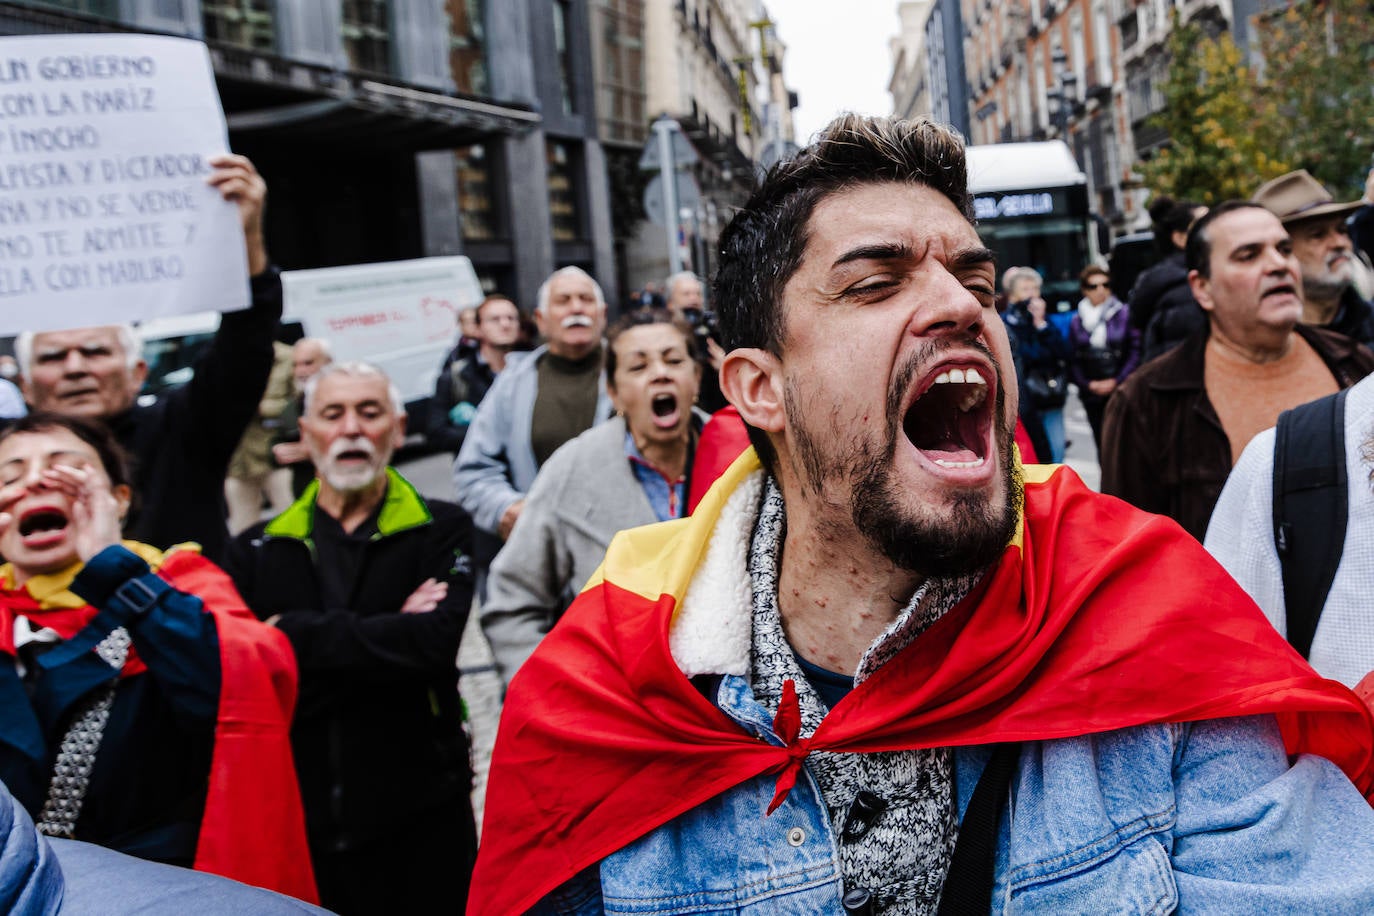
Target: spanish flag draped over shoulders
x,y
1097,617
253,826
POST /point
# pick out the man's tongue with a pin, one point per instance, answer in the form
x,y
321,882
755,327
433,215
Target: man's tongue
x,y
944,434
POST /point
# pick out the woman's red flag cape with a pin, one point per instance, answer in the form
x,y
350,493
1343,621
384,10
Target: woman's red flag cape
x,y
253,826
1097,617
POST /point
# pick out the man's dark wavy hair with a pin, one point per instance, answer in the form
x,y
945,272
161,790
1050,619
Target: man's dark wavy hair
x,y
763,244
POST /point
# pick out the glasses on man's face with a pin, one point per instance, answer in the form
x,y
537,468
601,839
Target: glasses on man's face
x,y
1102,285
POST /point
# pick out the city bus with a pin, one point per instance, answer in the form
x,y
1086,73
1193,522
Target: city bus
x,y
1031,203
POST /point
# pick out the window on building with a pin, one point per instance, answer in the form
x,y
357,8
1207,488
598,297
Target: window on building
x,y
1025,114
478,195
1130,29
622,83
564,210
367,35
1111,205
245,23
1042,99
562,45
1102,41
468,46
1078,59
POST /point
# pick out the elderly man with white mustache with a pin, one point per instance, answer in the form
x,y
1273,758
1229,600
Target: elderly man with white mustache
x,y
540,401
372,584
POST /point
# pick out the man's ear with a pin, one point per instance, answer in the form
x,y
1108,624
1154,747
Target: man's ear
x,y
399,439
139,374
1202,289
751,379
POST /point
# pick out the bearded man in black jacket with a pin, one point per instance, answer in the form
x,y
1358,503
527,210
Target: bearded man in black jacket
x,y
372,584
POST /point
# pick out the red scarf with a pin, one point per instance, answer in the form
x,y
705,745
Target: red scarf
x,y
1098,617
253,828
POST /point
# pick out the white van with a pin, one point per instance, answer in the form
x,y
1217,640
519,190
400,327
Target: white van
x,y
401,316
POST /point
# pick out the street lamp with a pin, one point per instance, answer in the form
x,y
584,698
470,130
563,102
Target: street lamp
x,y
1064,94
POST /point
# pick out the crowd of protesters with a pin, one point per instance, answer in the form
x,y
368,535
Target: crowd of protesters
x,y
231,625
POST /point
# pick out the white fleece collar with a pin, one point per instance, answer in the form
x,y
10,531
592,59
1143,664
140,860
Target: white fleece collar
x,y
712,630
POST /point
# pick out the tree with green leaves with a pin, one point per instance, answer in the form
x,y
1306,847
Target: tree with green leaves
x,y
1218,119
1318,70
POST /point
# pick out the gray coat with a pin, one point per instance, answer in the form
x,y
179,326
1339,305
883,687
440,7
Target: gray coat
x,y
584,494
496,466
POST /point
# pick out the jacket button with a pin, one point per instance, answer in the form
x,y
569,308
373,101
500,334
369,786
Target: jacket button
x,y
863,811
796,836
859,901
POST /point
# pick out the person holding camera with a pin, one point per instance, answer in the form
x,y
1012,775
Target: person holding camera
x,y
1106,346
687,301
1041,354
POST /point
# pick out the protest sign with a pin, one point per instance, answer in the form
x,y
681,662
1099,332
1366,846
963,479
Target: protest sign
x,y
105,216
401,316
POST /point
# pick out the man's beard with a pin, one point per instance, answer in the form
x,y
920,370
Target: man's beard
x,y
1332,280
351,479
973,532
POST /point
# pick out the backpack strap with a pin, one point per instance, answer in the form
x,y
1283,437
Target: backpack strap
x,y
1310,509
972,866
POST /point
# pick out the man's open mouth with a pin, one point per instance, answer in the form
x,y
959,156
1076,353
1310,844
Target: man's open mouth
x,y
949,421
1282,290
666,411
353,454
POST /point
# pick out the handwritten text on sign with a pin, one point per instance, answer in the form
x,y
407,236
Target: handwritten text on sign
x,y
104,212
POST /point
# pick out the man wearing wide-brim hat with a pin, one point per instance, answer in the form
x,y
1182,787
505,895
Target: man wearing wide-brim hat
x,y
1321,241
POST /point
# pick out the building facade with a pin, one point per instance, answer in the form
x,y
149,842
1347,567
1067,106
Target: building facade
x,y
391,129
944,45
715,67
911,82
619,54
1040,69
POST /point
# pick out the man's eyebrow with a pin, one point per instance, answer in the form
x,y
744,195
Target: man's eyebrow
x,y
883,252
966,258
59,349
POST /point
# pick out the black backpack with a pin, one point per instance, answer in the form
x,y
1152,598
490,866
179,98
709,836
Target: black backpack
x,y
1310,509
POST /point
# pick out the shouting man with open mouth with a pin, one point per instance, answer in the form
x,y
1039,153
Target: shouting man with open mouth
x,y
884,668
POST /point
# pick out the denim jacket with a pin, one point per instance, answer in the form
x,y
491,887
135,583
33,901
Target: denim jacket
x,y
1207,817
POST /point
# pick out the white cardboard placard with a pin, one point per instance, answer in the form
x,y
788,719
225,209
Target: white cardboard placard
x,y
105,216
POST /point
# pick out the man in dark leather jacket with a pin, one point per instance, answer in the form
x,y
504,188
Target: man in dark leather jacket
x,y
1175,428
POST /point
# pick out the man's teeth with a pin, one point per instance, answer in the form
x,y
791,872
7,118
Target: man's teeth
x,y
959,464
973,377
960,377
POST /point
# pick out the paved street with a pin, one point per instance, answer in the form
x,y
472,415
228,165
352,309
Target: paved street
x,y
1081,455
480,686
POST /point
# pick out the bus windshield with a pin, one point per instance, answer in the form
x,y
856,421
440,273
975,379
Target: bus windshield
x,y
1031,203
